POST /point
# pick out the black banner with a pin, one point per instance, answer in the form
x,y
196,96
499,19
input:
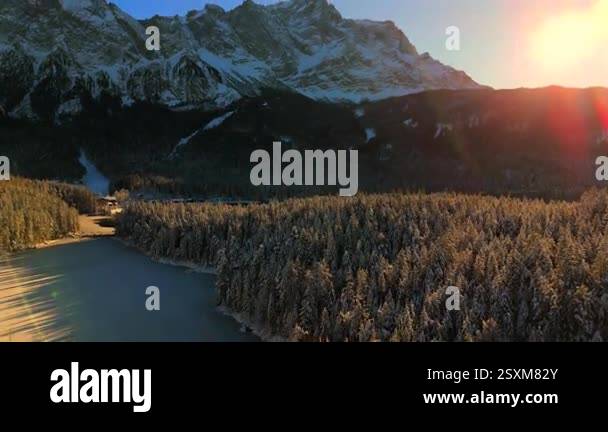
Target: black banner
x,y
205,379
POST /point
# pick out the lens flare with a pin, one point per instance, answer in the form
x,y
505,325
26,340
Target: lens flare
x,y
564,40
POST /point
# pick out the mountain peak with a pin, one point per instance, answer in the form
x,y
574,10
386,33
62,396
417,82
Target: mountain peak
x,y
214,57
318,8
250,4
214,9
309,3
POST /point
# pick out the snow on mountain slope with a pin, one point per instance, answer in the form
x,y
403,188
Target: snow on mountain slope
x,y
216,122
53,52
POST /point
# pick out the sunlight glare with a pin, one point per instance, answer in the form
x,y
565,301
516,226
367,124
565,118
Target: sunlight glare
x,y
564,40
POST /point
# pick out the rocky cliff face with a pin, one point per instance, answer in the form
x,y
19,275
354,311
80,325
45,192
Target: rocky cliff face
x,y
55,52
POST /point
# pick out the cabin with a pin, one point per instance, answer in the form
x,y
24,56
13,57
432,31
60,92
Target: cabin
x,y
108,205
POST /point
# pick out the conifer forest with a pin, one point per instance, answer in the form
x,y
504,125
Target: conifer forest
x,y
36,211
376,267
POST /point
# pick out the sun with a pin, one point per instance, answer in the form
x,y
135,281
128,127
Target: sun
x,y
564,40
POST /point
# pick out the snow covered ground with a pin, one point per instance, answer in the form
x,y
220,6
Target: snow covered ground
x,y
370,134
218,121
211,125
94,179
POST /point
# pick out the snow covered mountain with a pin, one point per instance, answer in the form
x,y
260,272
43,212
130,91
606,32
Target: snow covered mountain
x,y
56,55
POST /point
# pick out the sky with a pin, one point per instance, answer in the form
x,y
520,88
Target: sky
x,y
503,43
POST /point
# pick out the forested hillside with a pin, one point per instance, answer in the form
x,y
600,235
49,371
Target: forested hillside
x,y
34,211
377,267
532,143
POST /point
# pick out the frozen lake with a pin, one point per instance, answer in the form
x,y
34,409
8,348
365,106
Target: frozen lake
x,y
95,291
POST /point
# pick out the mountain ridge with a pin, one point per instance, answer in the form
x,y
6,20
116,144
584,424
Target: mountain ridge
x,y
54,52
